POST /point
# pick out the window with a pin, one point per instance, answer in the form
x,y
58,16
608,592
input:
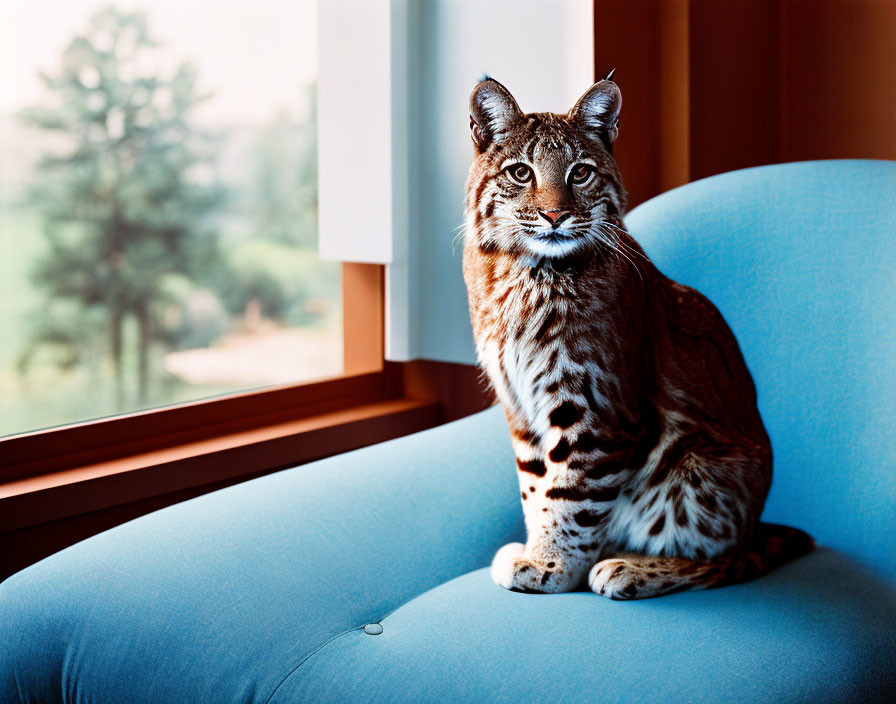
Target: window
x,y
158,206
60,484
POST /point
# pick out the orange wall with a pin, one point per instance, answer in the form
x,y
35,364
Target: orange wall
x,y
710,86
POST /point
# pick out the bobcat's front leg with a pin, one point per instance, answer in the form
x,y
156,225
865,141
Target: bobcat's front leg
x,y
552,560
515,568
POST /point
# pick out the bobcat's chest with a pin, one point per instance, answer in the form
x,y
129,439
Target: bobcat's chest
x,y
520,371
525,354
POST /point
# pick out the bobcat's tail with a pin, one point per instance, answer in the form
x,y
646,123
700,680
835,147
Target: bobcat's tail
x,y
642,576
773,546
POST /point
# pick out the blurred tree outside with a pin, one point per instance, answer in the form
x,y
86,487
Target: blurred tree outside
x,y
285,178
161,237
126,207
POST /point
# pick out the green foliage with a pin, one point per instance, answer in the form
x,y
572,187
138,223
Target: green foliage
x,y
285,180
138,249
281,278
126,205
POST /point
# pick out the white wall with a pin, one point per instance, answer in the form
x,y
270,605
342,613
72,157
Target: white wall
x,y
354,130
394,82
542,50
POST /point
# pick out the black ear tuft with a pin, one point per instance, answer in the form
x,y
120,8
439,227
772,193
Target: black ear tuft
x,y
610,75
598,110
493,111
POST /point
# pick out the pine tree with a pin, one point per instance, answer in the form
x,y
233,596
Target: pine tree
x,y
127,203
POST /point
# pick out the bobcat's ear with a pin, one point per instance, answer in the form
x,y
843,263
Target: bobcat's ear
x,y
492,113
598,110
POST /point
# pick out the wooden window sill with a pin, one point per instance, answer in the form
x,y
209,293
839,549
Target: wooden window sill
x,y
99,485
62,485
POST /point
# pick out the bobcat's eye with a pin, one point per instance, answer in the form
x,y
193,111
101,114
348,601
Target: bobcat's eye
x,y
581,174
520,173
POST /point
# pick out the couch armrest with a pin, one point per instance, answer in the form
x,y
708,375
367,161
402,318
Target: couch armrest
x,y
252,579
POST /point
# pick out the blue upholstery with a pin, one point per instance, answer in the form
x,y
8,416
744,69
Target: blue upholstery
x,y
807,633
259,593
218,599
801,260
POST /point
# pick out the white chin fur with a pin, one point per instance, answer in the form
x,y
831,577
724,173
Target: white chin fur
x,y
552,249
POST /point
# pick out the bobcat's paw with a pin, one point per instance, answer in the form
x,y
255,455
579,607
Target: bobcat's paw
x,y
512,570
614,578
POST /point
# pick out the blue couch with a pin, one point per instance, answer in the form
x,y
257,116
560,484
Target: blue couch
x,y
363,578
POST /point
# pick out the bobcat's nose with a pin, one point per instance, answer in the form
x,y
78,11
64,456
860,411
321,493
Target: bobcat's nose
x,y
555,217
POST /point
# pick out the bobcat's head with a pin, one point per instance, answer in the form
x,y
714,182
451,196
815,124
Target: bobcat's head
x,y
543,185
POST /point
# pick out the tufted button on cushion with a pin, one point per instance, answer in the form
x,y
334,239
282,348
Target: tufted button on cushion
x,y
820,630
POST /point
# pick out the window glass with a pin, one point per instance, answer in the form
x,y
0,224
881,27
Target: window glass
x,y
158,206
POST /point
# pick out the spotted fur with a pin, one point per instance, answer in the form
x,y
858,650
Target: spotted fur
x,y
642,460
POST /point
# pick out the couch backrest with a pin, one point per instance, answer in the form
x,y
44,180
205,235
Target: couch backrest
x,y
801,260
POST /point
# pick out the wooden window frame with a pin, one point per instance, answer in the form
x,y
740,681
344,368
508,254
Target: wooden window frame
x,y
59,472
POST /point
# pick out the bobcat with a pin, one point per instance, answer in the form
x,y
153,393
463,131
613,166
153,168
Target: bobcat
x,y
642,459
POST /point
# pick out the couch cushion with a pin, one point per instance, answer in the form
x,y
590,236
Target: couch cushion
x,y
216,599
819,630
